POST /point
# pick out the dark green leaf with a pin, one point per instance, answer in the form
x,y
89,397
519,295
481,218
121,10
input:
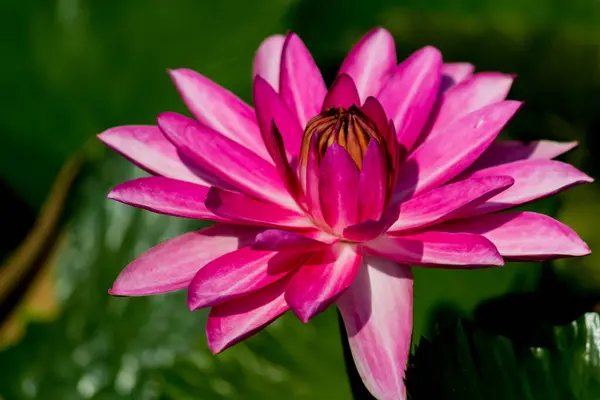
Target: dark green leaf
x,y
463,362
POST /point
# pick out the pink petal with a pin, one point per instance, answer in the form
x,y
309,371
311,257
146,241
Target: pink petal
x,y
377,310
370,229
453,149
507,151
454,73
236,206
372,183
342,93
274,239
475,92
323,277
446,201
235,320
409,95
271,109
437,249
301,86
373,109
534,179
165,196
219,109
267,60
275,146
226,159
371,61
238,273
524,235
338,179
149,149
311,184
172,264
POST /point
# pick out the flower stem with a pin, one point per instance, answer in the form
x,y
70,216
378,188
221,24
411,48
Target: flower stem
x,y
359,391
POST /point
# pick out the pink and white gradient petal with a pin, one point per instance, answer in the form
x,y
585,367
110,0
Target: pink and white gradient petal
x,y
238,273
322,278
437,249
166,196
235,320
301,84
377,311
267,60
172,264
410,94
370,62
226,159
524,235
149,149
219,109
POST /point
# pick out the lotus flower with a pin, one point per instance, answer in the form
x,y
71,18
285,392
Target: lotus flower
x,y
328,195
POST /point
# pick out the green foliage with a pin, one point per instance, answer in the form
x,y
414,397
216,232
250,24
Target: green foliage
x,y
104,347
463,362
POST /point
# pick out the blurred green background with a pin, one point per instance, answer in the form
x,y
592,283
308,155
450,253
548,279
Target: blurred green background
x,y
72,68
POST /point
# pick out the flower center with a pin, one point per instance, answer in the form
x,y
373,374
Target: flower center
x,y
350,128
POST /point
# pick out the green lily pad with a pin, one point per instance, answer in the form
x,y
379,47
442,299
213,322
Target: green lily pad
x,y
463,361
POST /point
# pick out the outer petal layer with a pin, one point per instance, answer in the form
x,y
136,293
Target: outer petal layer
x,y
370,62
226,159
238,273
274,239
524,235
534,179
478,91
267,60
446,201
301,86
507,151
410,93
236,206
149,149
165,196
454,73
219,109
377,313
172,264
323,277
231,322
270,109
453,149
434,248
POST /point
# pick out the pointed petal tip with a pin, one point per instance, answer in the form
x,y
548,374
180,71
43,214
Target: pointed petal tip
x,y
179,76
216,346
585,250
113,195
191,303
307,313
115,292
568,146
178,73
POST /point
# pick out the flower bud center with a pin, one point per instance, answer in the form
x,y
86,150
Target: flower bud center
x,y
349,128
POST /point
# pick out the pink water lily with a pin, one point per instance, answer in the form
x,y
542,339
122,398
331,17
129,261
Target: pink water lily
x,y
328,195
